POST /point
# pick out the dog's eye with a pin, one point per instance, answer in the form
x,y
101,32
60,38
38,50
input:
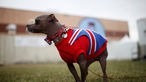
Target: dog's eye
x,y
37,22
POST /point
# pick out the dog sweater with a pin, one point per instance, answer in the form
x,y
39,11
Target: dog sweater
x,y
79,41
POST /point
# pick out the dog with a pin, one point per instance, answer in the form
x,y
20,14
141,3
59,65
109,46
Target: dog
x,y
74,45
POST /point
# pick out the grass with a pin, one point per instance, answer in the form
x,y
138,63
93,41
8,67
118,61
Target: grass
x,y
118,71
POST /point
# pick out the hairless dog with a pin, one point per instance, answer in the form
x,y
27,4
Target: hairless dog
x,y
74,45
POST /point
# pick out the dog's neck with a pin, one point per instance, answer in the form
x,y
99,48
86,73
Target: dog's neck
x,y
59,34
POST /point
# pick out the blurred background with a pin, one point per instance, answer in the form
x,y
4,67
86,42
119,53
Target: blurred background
x,y
122,22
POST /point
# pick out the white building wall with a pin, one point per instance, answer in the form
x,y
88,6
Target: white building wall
x,y
13,50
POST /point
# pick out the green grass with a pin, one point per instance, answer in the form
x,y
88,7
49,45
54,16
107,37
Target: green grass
x,y
118,71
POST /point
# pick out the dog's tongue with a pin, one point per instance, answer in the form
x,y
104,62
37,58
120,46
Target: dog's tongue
x,y
31,21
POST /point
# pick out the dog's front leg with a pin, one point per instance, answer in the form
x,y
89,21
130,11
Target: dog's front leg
x,y
73,71
83,67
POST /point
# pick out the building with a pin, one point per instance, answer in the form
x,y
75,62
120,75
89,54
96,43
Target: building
x,y
18,46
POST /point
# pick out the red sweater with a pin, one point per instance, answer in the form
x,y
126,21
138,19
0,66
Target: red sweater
x,y
78,41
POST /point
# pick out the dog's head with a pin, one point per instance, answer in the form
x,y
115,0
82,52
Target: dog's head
x,y
43,24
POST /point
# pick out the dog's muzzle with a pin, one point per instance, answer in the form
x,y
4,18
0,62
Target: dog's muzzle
x,y
28,26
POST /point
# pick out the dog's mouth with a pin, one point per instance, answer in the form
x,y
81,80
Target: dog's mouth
x,y
30,30
31,27
33,30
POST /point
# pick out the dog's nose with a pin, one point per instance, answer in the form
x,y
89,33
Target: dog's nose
x,y
27,25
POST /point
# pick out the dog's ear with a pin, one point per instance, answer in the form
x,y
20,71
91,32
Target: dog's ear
x,y
53,18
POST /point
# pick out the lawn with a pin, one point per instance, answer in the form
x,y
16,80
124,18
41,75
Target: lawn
x,y
118,71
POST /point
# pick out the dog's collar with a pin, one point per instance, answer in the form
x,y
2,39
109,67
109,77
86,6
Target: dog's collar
x,y
58,36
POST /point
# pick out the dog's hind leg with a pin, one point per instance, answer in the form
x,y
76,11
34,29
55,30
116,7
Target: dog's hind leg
x,y
102,61
83,67
74,72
